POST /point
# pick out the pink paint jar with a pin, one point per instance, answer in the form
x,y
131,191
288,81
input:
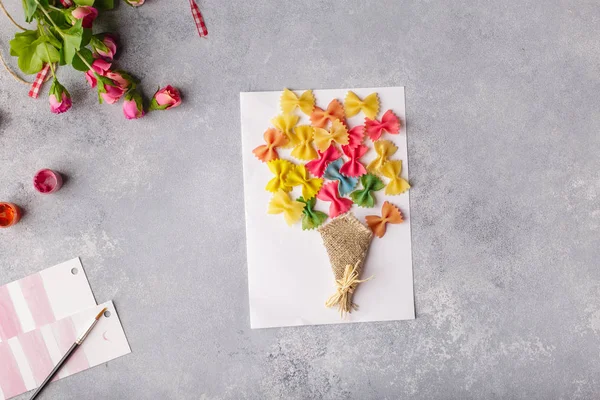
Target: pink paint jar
x,y
10,214
47,181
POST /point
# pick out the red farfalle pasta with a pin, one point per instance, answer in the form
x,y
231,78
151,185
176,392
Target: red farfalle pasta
x,y
273,138
320,117
339,205
390,123
317,167
356,136
353,167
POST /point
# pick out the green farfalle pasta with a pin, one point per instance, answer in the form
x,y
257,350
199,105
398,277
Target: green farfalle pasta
x,y
311,218
364,197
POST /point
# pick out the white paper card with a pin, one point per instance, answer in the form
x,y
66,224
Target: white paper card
x,y
289,274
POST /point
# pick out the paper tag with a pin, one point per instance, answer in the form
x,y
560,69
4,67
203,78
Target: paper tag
x,y
27,359
43,298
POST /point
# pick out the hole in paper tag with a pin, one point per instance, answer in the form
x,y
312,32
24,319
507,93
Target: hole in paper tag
x,y
107,314
74,271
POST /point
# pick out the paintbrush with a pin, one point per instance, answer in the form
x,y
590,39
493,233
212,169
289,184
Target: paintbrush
x,y
65,358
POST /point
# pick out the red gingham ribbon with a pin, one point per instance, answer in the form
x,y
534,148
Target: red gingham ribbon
x,y
66,3
36,86
202,31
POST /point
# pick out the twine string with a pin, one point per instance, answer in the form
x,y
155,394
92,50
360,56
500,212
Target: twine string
x,y
346,286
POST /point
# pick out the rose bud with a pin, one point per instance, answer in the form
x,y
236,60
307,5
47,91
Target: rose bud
x,y
121,78
86,14
112,93
60,99
135,3
100,67
105,46
166,98
133,106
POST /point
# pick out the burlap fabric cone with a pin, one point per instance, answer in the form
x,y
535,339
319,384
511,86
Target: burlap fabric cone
x,y
347,242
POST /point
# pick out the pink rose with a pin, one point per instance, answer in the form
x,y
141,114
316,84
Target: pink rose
x,y
122,79
106,47
133,106
112,93
86,14
165,99
60,99
135,3
100,67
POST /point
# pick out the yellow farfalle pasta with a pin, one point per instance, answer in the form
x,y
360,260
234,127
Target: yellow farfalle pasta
x,y
280,168
281,203
338,133
304,149
289,101
384,150
369,106
392,170
299,177
286,123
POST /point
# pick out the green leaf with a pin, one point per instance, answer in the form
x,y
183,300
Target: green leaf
x,y
46,52
78,64
311,218
84,2
60,19
104,4
22,41
72,42
87,36
29,7
364,197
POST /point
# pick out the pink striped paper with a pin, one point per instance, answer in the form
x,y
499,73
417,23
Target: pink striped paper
x,y
25,360
43,298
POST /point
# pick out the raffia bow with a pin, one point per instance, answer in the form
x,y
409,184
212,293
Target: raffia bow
x,y
345,289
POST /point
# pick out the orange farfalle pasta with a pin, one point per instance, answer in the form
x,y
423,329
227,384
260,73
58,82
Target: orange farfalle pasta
x,y
397,184
390,214
304,149
299,177
338,134
320,117
281,169
273,139
384,150
285,123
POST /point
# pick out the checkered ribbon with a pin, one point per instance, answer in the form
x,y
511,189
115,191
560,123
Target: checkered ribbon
x,y
202,31
66,3
36,86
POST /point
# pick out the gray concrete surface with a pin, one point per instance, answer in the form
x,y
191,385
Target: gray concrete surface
x,y
503,112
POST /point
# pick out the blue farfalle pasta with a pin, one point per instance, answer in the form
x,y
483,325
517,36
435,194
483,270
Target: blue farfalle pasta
x,y
332,172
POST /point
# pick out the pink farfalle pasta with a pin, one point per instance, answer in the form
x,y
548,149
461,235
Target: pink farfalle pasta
x,y
390,123
353,167
339,205
317,167
273,139
356,136
320,117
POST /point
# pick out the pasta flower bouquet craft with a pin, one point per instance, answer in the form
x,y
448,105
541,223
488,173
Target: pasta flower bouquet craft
x,y
320,165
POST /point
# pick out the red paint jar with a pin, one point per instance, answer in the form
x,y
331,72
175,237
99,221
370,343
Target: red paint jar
x,y
10,214
47,181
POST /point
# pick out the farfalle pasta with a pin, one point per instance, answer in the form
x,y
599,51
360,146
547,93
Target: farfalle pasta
x,y
353,167
356,136
392,170
317,167
338,133
289,101
281,203
332,173
364,197
390,214
299,177
279,168
389,123
304,139
384,149
320,118
286,123
369,105
273,139
338,205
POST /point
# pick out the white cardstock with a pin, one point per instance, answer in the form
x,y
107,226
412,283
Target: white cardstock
x,y
289,274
